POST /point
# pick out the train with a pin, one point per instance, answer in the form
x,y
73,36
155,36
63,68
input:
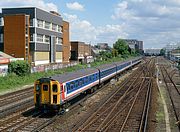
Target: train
x,y
53,93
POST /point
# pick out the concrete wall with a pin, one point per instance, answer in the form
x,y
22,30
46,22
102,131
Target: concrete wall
x,y
41,58
59,56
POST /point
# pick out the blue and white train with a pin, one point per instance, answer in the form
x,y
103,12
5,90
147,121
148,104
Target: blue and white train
x,y
55,91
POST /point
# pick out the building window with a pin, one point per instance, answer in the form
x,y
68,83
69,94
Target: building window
x,y
47,39
27,20
31,38
1,21
1,38
59,40
47,25
39,38
27,30
54,27
27,42
31,23
40,23
59,29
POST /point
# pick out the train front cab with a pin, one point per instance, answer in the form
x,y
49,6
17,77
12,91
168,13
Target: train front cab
x,y
47,95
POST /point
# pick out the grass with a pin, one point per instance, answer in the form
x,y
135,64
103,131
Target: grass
x,y
12,81
160,113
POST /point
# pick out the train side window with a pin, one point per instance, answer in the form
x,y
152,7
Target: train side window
x,y
68,87
94,77
82,81
45,87
90,79
55,88
71,85
86,80
76,83
97,75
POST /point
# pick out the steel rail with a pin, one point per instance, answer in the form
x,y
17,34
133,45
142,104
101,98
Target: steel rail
x,y
172,102
130,110
91,119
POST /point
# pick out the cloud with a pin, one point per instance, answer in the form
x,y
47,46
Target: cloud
x,y
83,30
49,6
75,6
156,22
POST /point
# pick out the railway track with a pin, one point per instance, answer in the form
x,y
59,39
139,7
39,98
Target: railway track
x,y
113,116
14,96
16,101
32,120
174,93
29,120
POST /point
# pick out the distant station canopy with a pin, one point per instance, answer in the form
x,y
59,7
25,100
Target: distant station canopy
x,y
55,13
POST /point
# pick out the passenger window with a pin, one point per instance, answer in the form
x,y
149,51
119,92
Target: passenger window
x,y
55,88
71,85
86,80
90,78
82,81
68,87
45,87
76,84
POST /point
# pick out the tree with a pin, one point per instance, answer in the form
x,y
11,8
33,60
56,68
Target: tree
x,y
20,67
162,52
105,55
122,47
114,52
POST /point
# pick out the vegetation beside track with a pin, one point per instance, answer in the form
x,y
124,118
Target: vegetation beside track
x,y
12,81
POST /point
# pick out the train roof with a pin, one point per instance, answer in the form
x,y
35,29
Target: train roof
x,y
73,75
106,66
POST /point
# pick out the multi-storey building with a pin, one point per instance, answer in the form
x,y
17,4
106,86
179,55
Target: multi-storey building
x,y
80,50
135,44
33,34
103,46
152,51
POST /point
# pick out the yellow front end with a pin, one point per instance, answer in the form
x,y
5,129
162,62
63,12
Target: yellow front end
x,y
47,94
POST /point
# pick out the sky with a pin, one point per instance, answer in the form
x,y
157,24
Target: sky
x,y
155,22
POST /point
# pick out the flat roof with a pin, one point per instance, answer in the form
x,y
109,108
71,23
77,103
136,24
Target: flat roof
x,y
4,55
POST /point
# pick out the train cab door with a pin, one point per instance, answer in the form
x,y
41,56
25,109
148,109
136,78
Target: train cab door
x,y
55,90
37,93
45,93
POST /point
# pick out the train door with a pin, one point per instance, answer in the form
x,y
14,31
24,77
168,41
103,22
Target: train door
x,y
37,97
55,92
45,93
62,92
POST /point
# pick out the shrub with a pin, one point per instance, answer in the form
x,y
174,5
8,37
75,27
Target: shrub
x,y
20,67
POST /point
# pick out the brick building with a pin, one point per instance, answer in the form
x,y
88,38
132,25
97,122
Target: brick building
x,y
34,34
80,50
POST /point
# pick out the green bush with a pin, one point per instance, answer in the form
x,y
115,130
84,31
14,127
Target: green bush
x,y
20,68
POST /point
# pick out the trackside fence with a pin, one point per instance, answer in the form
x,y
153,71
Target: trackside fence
x,y
45,68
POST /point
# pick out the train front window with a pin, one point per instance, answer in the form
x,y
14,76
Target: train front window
x,y
45,87
54,88
37,87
